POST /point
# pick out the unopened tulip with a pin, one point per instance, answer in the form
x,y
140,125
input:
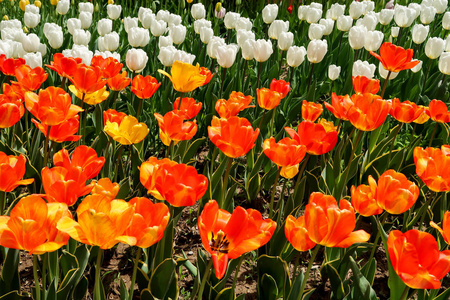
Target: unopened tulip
x,y
404,16
248,49
427,14
285,40
136,59
199,24
277,27
356,37
138,37
206,34
444,63
395,31
226,55
313,15
81,37
86,19
230,19
333,72
385,17
373,40
356,10
344,23
262,50
329,25
295,56
177,33
269,13
166,55
446,21
198,11
315,31
129,22
336,10
420,33
221,13
434,47
113,11
363,68
104,26
63,7
316,50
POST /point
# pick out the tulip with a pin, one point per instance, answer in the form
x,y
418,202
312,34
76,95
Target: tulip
x,y
31,20
213,44
180,184
148,171
295,56
417,8
30,42
340,106
11,111
109,66
434,47
119,82
329,25
243,35
313,15
136,60
138,37
64,132
403,16
315,31
427,14
280,86
373,40
405,112
30,79
64,66
395,31
356,36
174,19
268,98
231,107
81,37
129,23
344,23
227,236
32,226
368,112
247,48
114,116
243,24
63,7
33,59
369,21
277,27
333,72
445,230
385,17
198,11
144,87
316,51
416,258
128,132
173,127
424,116
362,85
163,15
86,19
444,63
9,65
54,35
363,68
356,9
419,33
446,21
364,199
231,19
83,158
185,77
101,222
199,24
311,111
336,10
221,13
302,11
317,138
177,33
206,34
183,56
104,27
106,188
86,6
158,27
269,13
12,169
188,107
147,17
87,79
72,24
226,55
432,166
438,111
384,73
166,55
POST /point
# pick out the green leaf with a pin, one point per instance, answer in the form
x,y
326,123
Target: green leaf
x,y
163,282
267,288
225,294
123,290
337,284
192,150
277,269
10,272
369,270
361,287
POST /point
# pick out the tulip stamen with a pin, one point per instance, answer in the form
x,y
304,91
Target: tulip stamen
x,y
219,244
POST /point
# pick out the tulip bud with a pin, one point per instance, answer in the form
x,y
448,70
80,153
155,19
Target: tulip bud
x,y
336,10
269,13
277,27
86,6
383,72
198,24
23,3
221,13
363,68
434,47
165,41
285,40
373,40
316,51
419,33
215,42
36,3
446,21
72,24
104,26
231,19
313,15
174,20
243,23
444,63
395,31
333,72
262,50
295,56
226,55
138,37
33,59
163,15
113,11
385,17
166,55
136,60
329,25
30,19
390,4
243,35
198,11
403,16
86,19
418,67
62,7
54,2
427,14
177,33
30,43
218,7
315,31
344,23
356,37
206,34
129,23
356,10
158,27
81,37
247,48
183,56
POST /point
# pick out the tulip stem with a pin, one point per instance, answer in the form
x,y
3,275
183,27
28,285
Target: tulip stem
x,y
426,76
225,183
272,196
119,159
432,134
139,108
310,77
2,201
262,118
36,277
377,238
243,74
133,277
305,162
97,289
427,204
393,141
404,295
385,84
224,70
259,74
236,273
204,279
47,142
63,82
305,279
272,122
347,170
281,63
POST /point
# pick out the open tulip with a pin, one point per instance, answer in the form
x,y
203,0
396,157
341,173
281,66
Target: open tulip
x,y
433,167
64,66
83,158
364,199
101,222
8,65
339,106
180,184
362,85
91,98
185,77
231,107
311,111
286,153
87,79
188,106
395,58
317,138
174,127
268,98
233,136
144,87
227,236
109,66
111,115
128,132
281,87
12,169
368,112
119,82
438,111
11,111
445,230
64,132
106,188
148,171
30,79
416,258
32,226
406,111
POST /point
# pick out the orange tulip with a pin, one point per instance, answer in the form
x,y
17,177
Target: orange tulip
x,y
87,79
180,184
311,111
64,132
119,82
30,79
148,171
416,258
236,102
433,167
438,111
11,111
362,85
234,136
445,230
83,157
144,87
52,106
406,111
280,86
340,106
368,112
317,138
185,77
64,185
31,226
8,66
12,169
207,73
364,199
297,234
173,127
424,116
64,66
286,153
395,58
14,92
188,106
227,236
101,222
327,224
148,223
268,99
111,115
106,188
109,66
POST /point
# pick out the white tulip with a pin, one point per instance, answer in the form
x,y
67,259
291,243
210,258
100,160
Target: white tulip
x,y
243,23
336,10
369,21
383,72
147,19
163,15
440,5
86,19
142,12
420,33
215,42
183,56
446,21
417,9
226,55
63,7
81,37
177,33
316,51
32,8
129,22
138,37
434,47
373,40
72,24
33,59
104,26
198,11
86,6
344,23
262,50
313,15
315,31
385,17
302,12
316,5
158,27
395,31
247,48
418,67
404,16
110,42
269,13
166,55
174,20
54,35
231,19
356,9
164,41
31,20
243,35
427,14
444,63
30,42
363,68
333,72
198,24
356,37
113,11
329,25
285,40
136,59
277,27
206,34
295,56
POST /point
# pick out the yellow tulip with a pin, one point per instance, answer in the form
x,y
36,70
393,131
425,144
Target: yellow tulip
x,y
130,131
5,17
185,77
54,2
92,98
23,3
189,1
110,1
38,3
